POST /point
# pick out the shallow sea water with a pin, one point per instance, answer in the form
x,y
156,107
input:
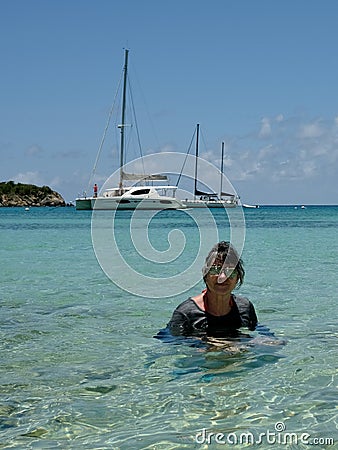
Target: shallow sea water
x,y
80,367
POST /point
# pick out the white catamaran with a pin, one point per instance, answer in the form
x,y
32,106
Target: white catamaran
x,y
210,200
140,196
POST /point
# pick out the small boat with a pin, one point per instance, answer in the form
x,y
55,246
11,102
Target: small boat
x,y
245,205
203,199
143,194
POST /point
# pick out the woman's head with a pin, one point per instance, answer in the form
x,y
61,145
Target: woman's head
x,y
224,255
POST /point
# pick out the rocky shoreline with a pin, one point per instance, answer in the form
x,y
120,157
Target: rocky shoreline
x,y
26,195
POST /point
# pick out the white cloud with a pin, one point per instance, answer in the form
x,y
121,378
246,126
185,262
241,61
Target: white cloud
x,y
56,181
28,178
34,150
265,130
309,168
38,179
228,162
267,151
311,130
295,151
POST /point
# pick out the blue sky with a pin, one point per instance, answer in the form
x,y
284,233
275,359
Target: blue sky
x,y
259,75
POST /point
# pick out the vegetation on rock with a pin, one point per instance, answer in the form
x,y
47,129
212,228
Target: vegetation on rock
x,y
20,194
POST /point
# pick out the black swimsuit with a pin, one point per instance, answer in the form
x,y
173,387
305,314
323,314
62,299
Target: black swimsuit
x,y
190,320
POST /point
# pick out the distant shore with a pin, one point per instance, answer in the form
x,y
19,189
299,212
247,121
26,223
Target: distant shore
x,y
20,194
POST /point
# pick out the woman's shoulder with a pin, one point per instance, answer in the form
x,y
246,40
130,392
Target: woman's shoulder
x,y
242,301
247,311
188,306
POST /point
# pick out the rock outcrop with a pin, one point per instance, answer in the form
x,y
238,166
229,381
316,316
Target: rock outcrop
x,y
19,194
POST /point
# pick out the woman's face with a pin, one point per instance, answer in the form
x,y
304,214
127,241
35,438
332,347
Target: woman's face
x,y
221,280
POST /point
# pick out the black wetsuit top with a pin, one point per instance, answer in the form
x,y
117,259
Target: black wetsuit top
x,y
190,320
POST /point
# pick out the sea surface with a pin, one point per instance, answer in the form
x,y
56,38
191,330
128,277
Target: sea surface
x,y
81,369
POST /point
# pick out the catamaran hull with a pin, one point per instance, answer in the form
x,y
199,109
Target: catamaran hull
x,y
208,204
83,204
112,204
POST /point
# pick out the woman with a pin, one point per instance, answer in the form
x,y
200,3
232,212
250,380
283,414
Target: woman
x,y
216,311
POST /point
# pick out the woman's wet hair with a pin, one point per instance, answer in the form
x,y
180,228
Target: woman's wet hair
x,y
223,253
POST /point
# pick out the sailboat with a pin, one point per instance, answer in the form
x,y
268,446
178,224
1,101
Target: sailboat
x,y
141,195
210,199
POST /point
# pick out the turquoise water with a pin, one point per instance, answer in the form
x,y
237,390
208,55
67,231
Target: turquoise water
x,y
80,367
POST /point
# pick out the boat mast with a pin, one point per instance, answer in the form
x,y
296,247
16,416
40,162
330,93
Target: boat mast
x,y
221,188
196,155
125,69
